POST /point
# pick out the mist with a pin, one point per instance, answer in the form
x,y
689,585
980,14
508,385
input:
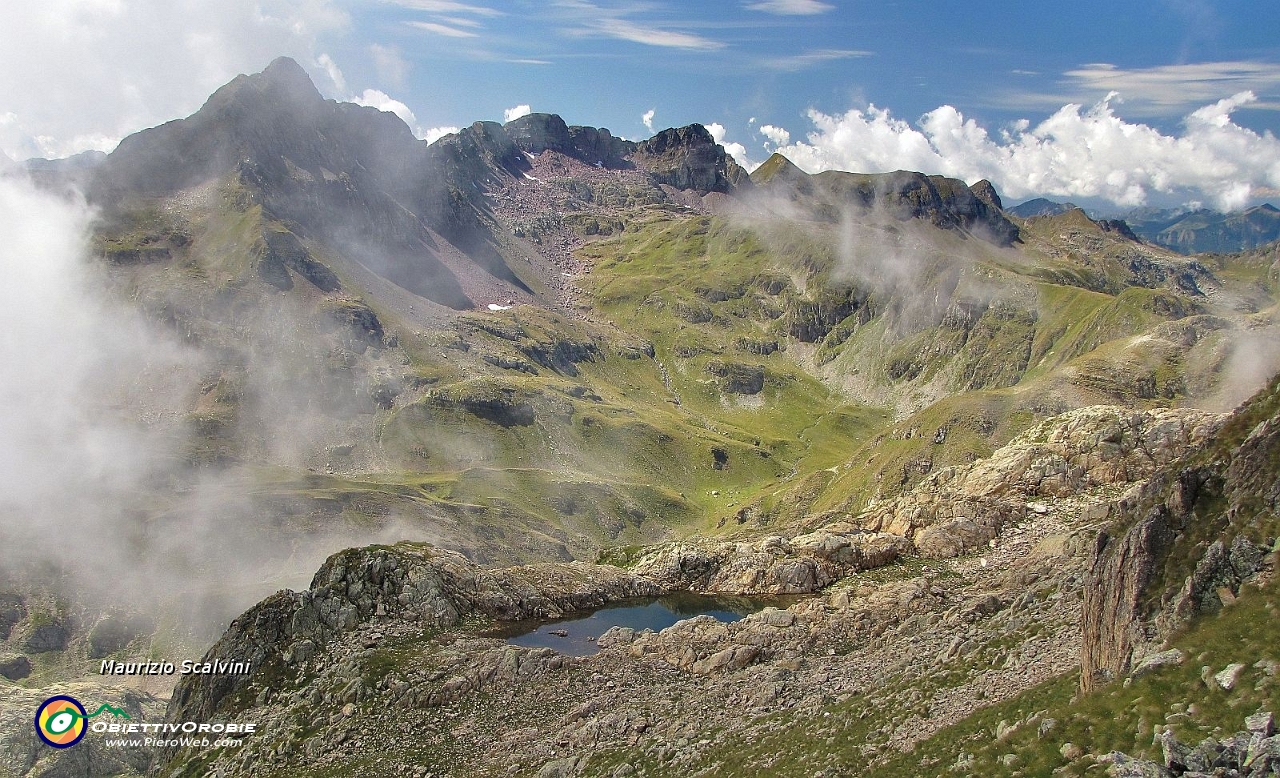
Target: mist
x,y
100,499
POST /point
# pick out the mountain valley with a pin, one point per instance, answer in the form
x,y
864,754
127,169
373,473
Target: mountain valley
x,y
1008,483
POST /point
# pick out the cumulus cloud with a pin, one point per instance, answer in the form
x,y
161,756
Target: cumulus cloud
x,y
374,98
436,133
511,114
648,119
1077,152
735,150
776,135
79,78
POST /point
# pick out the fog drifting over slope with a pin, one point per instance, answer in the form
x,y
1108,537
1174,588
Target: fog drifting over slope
x,y
97,496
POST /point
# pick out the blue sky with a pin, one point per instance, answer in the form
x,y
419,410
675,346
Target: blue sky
x,y
609,62
965,89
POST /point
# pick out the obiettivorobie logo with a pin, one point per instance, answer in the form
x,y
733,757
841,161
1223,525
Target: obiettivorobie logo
x,y
62,721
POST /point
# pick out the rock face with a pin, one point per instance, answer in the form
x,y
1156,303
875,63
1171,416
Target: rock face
x,y
958,509
539,132
689,158
1139,591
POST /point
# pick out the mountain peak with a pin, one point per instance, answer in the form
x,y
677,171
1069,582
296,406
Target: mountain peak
x,y
286,72
985,191
777,168
281,83
689,158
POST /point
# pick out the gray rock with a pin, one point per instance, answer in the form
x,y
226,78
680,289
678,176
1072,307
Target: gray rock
x,y
1156,661
52,636
559,768
1123,766
616,636
1263,724
1227,677
775,617
15,667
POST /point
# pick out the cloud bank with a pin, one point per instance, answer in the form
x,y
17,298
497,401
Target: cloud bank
x,y
82,74
1077,152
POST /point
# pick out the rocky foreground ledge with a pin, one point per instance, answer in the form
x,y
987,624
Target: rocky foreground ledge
x,y
984,602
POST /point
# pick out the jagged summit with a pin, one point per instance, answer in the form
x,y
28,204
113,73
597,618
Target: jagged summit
x,y
689,158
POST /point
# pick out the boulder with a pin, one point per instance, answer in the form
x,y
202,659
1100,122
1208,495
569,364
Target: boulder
x,y
15,667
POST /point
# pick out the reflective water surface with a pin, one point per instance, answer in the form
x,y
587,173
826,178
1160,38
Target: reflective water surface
x,y
576,635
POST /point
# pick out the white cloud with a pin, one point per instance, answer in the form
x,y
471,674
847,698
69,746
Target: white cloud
x,y
511,114
90,72
735,150
790,7
1076,152
333,71
811,59
776,135
648,119
593,20
442,29
1175,86
655,36
445,6
436,133
384,102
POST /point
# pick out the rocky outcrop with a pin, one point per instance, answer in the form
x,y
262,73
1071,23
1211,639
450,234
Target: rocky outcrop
x,y
689,158
1184,543
281,250
538,132
15,667
985,191
1254,751
737,378
412,583
1112,623
772,565
1090,450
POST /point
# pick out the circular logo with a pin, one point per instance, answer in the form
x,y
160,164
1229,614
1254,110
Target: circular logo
x,y
60,721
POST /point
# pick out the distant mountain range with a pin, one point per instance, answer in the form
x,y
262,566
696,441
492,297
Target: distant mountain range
x,y
1183,230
